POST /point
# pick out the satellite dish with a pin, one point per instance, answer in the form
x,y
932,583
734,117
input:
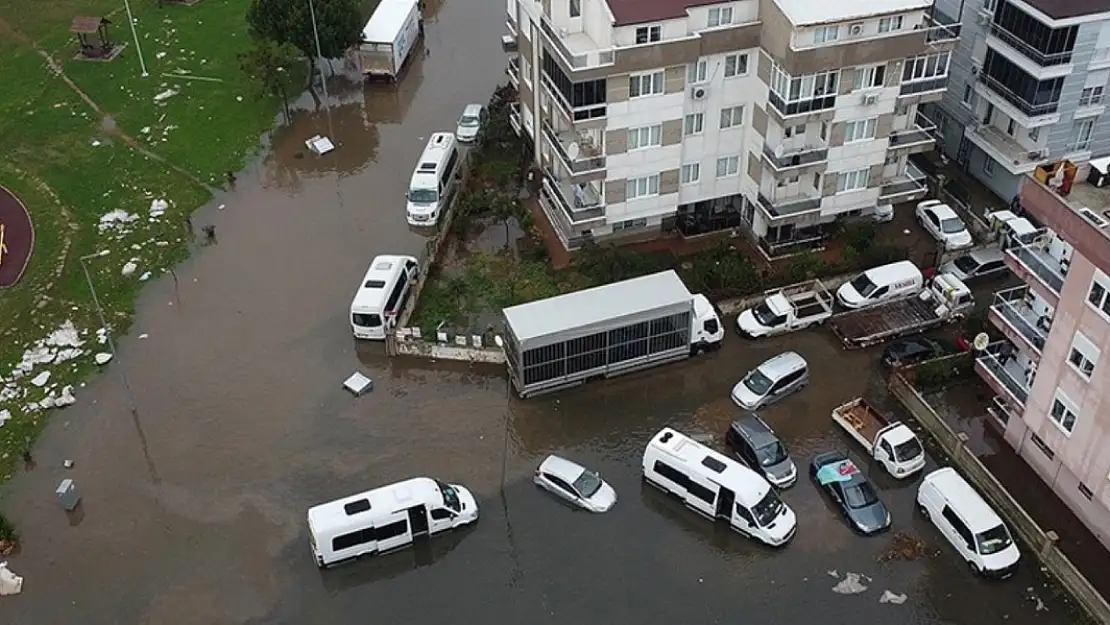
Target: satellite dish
x,y
572,151
981,341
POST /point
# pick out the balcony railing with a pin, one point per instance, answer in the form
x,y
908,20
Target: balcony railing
x,y
513,69
1044,59
997,364
580,60
941,28
571,113
795,245
1008,149
1011,309
920,132
940,83
514,117
801,107
579,164
913,182
791,159
785,207
578,202
510,23
1028,108
1037,264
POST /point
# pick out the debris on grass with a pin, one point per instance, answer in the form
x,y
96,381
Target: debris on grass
x,y
116,221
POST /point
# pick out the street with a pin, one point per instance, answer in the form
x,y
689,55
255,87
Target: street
x,y
194,512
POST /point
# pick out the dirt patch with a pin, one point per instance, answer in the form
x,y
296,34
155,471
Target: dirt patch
x,y
906,548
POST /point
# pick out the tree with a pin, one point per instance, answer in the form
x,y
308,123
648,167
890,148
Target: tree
x,y
289,22
504,208
266,64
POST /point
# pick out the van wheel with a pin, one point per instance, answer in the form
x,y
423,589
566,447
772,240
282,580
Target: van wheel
x,y
974,568
924,512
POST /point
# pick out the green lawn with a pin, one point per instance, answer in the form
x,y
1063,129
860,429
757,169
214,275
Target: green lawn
x,y
69,168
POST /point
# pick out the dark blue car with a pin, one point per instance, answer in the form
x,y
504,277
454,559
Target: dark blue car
x,y
850,489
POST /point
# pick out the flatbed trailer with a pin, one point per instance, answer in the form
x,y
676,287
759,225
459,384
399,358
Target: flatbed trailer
x,y
946,299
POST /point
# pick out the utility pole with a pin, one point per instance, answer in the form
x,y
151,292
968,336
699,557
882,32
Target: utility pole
x,y
108,333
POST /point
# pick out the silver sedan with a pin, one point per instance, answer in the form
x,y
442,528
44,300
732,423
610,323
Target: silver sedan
x,y
575,484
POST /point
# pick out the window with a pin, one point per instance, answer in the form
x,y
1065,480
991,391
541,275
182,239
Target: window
x,y
701,492
888,24
441,514
988,166
720,16
925,67
1034,134
728,166
1063,413
736,65
525,70
576,8
860,130
697,72
732,116
713,464
690,173
352,539
989,5
645,137
958,524
1086,491
647,186
400,291
629,224
1099,295
1043,446
1084,131
1083,355
868,77
968,94
640,85
672,474
694,124
792,95
648,34
392,530
825,34
1091,96
852,180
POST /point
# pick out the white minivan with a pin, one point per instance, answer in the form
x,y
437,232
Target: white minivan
x,y
386,519
434,180
381,295
883,284
969,523
718,487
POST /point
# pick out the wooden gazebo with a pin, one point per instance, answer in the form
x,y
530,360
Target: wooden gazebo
x,y
92,34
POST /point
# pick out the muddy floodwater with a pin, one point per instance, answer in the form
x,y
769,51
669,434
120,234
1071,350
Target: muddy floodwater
x,y
194,507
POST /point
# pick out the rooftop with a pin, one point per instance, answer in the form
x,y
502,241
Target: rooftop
x,y
591,306
1082,217
629,12
810,12
1064,9
387,20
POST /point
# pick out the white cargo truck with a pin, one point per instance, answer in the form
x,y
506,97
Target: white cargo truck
x,y
790,308
945,299
605,331
891,443
389,38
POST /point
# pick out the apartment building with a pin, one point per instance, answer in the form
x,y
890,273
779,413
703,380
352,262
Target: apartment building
x,y
773,117
1027,87
1052,385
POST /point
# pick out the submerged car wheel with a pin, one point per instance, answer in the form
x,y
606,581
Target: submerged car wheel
x,y
924,511
974,568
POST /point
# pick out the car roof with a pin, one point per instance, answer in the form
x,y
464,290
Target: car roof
x,y
783,364
472,109
755,429
917,341
974,510
562,467
943,211
985,255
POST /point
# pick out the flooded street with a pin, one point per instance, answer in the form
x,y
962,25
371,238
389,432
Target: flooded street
x,y
194,508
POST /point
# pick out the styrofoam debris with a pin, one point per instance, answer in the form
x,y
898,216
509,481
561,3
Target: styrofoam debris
x,y
102,358
129,268
158,207
66,398
143,336
41,379
168,93
850,585
892,597
10,583
5,416
115,220
144,277
65,336
102,335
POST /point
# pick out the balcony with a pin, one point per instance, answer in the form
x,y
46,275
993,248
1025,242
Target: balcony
x,y
784,160
941,29
1039,269
577,50
513,70
798,243
906,187
572,115
1016,158
1012,314
514,118
919,137
1080,218
576,151
1003,373
924,87
1038,64
789,206
1014,106
571,225
510,23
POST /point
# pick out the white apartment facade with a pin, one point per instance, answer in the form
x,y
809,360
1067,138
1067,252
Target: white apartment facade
x,y
776,118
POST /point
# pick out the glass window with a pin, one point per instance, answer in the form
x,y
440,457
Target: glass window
x,y
993,540
648,34
697,72
736,65
888,24
768,509
690,173
860,130
859,495
576,8
647,186
694,123
719,16
587,484
732,116
640,85
728,166
826,33
1063,413
645,137
852,180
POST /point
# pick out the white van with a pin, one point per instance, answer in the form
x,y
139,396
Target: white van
x,y
881,284
434,181
381,295
718,487
387,518
969,523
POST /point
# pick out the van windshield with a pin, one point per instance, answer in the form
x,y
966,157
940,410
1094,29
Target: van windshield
x,y
863,285
908,450
765,316
366,320
770,455
450,496
423,196
757,382
993,540
768,509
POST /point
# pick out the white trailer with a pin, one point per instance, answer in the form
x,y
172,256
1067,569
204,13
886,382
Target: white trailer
x,y
388,39
790,308
893,444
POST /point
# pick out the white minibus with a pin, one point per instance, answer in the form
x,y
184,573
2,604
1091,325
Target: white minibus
x,y
381,295
434,181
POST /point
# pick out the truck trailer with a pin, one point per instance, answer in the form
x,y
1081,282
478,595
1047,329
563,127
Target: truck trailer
x,y
891,443
945,299
388,39
605,331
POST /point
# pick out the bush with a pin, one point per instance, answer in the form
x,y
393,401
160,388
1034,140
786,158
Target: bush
x,y
934,375
805,266
722,272
602,264
859,236
7,530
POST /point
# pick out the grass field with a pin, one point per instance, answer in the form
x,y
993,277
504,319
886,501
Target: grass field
x,y
71,164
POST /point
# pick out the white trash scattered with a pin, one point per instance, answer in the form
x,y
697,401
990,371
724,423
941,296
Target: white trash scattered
x,y
5,416
319,145
115,220
144,277
158,208
66,398
143,336
65,336
41,379
358,384
168,93
10,583
892,597
102,335
129,268
852,584
102,358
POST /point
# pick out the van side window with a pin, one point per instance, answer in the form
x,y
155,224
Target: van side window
x,y
672,474
887,449
701,492
880,292
353,539
398,291
448,170
787,380
440,514
392,530
958,525
743,513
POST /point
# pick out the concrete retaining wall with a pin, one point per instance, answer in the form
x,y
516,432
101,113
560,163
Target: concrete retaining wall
x,y
447,351
1041,542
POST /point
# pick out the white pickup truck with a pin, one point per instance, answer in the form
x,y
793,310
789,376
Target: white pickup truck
x,y
790,308
891,444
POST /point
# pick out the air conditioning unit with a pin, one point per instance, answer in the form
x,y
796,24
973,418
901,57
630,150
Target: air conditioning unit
x,y
870,98
698,93
855,30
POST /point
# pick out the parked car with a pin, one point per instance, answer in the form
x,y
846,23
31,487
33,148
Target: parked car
x,y
943,224
470,123
976,264
851,491
911,351
771,381
755,444
575,484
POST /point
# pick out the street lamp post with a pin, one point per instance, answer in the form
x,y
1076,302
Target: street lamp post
x,y
135,36
108,332
319,55
500,342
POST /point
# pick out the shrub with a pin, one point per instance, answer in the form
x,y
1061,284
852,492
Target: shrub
x,y
602,264
804,266
722,272
936,374
859,236
7,530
